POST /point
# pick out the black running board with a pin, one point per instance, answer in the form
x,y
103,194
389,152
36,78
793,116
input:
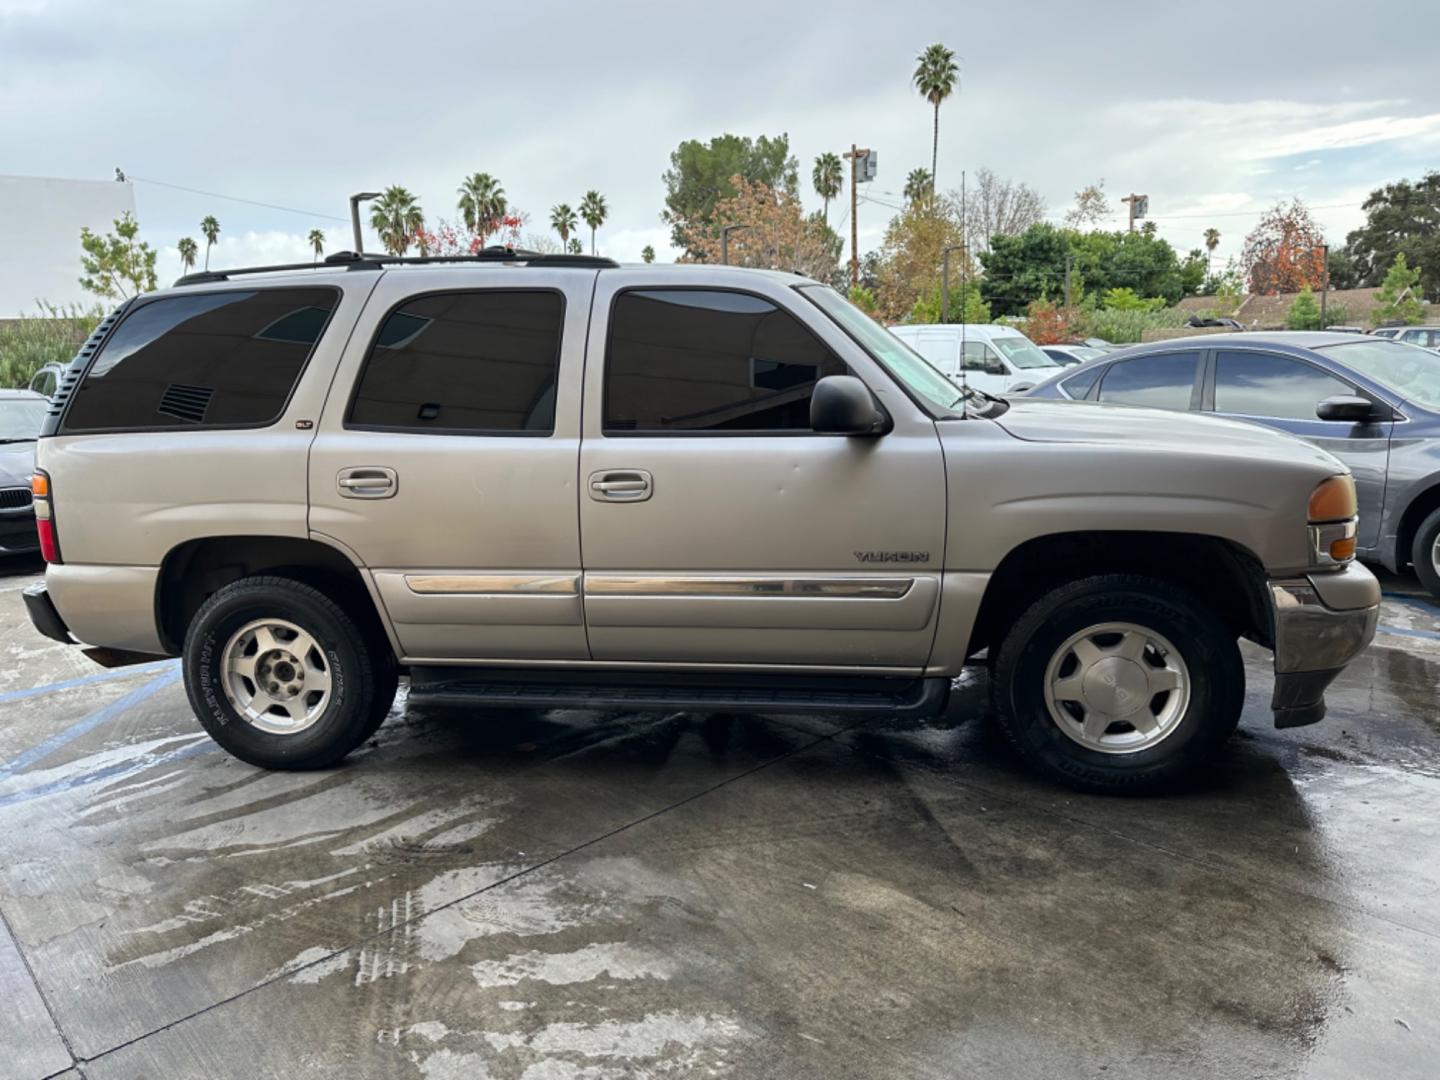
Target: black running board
x,y
577,689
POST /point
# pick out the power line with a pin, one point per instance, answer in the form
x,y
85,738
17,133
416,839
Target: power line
x,y
237,199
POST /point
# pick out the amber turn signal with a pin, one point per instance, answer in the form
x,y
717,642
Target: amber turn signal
x,y
1333,499
1343,550
40,485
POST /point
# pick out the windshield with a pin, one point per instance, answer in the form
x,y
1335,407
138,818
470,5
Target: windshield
x,y
1412,372
903,362
1020,352
20,419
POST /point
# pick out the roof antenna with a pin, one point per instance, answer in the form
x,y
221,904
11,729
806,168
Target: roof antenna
x,y
964,281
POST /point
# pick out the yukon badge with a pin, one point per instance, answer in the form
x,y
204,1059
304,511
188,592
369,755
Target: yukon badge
x,y
892,556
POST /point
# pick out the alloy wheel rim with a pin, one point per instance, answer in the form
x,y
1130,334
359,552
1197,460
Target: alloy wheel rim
x,y
276,676
1117,688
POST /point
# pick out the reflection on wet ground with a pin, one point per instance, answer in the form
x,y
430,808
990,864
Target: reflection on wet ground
x,y
581,894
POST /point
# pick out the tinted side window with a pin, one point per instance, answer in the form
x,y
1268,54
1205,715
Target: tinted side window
x,y
707,360
1259,384
211,359
1161,382
1078,385
457,362
979,356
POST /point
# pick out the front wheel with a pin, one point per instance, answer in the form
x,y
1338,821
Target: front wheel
x,y
1118,683
281,676
1425,553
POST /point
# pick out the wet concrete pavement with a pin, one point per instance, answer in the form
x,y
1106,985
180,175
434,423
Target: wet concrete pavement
x,y
578,894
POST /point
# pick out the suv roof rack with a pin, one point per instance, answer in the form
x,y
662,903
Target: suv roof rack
x,y
349,260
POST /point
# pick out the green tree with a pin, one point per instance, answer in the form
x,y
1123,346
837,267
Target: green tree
x,y
935,76
210,229
647,254
700,176
1304,313
481,204
863,298
564,222
1342,269
912,255
593,212
50,336
1212,241
1397,295
117,265
1125,298
189,252
574,247
397,217
827,176
316,240
918,185
1402,218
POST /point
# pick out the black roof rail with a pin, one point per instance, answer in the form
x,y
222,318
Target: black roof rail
x,y
369,261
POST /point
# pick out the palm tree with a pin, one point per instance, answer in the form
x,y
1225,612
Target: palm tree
x,y
397,217
564,222
918,185
317,242
210,229
575,247
188,251
482,203
594,212
935,76
647,253
1212,241
827,178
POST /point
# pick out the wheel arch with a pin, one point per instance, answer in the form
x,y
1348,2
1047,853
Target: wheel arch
x,y
1194,562
196,569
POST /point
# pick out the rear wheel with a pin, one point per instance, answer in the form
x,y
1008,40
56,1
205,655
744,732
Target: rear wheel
x,y
282,677
1425,553
1118,683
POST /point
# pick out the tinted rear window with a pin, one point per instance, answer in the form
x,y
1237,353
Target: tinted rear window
x,y
1160,382
211,359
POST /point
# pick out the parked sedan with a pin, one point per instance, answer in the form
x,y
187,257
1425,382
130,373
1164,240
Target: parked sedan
x,y
21,413
1070,355
1374,404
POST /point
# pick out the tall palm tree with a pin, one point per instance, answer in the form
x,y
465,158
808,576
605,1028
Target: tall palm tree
x,y
575,247
482,203
935,76
317,243
188,250
564,222
1212,241
397,217
918,185
594,212
827,178
210,229
647,254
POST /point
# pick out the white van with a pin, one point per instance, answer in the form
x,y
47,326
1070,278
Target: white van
x,y
997,359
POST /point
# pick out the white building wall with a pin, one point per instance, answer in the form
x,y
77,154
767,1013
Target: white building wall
x,y
40,222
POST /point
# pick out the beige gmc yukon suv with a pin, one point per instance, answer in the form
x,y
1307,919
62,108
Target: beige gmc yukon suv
x,y
554,481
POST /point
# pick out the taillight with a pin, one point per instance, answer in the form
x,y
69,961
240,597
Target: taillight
x,y
45,517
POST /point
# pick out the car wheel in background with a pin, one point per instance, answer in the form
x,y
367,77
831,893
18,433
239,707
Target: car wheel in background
x,y
1425,553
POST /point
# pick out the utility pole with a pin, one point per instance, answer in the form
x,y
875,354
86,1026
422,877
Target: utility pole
x,y
1068,260
725,232
1139,207
1324,283
855,156
355,201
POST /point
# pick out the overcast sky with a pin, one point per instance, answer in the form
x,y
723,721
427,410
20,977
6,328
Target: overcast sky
x,y
1215,110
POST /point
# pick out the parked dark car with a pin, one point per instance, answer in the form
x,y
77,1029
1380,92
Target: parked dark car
x,y
21,414
1374,404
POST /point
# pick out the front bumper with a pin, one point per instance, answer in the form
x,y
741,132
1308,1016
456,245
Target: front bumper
x,y
17,533
1322,622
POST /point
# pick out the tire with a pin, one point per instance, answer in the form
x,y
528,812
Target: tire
x,y
1055,645
1423,554
337,677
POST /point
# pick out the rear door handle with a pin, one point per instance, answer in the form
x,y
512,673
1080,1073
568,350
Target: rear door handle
x,y
621,485
367,482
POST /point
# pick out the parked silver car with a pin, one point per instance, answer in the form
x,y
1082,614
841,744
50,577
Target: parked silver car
x,y
551,480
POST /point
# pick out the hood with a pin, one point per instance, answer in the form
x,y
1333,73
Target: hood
x,y
1059,421
17,463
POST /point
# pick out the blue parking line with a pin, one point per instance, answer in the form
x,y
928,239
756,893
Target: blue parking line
x,y
89,723
86,680
109,772
1402,631
1412,602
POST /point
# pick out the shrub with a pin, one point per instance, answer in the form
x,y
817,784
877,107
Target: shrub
x,y
52,334
1123,327
1304,313
1048,324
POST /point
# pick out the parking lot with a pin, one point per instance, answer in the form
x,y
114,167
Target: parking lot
x,y
581,894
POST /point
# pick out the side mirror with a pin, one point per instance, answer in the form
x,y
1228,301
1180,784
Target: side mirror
x,y
843,405
1352,409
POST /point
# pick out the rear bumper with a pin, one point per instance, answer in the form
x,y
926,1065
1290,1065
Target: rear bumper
x,y
1322,622
43,615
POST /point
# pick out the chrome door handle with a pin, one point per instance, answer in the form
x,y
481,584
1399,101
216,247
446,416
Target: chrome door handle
x,y
621,485
367,482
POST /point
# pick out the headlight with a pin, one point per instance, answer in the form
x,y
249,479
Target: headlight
x,y
1333,519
